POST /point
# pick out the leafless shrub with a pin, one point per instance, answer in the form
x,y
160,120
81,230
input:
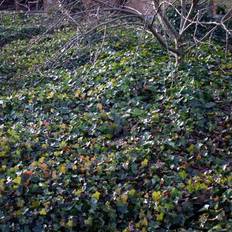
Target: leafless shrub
x,y
196,15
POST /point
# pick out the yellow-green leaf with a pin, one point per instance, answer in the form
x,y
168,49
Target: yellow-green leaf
x,y
124,198
35,204
156,195
70,223
78,192
77,93
96,195
2,154
17,180
155,117
144,221
2,187
191,148
62,168
41,159
50,95
144,163
160,217
183,174
132,192
43,212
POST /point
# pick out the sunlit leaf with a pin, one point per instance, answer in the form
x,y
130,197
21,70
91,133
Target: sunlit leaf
x,y
17,180
43,212
156,196
96,195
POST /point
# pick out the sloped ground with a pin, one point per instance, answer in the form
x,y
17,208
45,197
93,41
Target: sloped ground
x,y
19,26
119,146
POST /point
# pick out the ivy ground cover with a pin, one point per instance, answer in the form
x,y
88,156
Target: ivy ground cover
x,y
124,144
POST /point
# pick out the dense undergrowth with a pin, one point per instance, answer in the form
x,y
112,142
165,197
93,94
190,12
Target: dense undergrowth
x,y
126,144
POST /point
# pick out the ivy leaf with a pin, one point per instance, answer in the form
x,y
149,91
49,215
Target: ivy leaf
x,y
100,107
96,195
77,93
156,196
63,168
124,198
43,212
17,180
35,204
70,223
160,217
191,149
183,174
144,163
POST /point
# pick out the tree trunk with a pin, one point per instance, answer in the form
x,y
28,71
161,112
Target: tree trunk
x,y
212,8
179,57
